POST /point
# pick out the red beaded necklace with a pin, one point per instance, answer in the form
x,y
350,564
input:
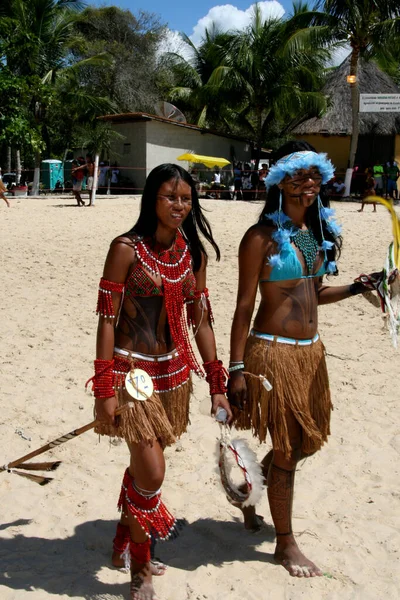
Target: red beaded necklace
x,y
173,266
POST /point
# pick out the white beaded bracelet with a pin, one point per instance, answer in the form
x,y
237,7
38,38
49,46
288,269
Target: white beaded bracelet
x,y
237,367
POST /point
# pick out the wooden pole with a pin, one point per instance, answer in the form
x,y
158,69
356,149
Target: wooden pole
x,y
57,442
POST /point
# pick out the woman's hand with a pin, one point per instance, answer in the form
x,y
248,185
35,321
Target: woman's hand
x,y
105,409
221,401
237,389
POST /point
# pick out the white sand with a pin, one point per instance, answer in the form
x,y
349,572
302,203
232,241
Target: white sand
x,y
55,541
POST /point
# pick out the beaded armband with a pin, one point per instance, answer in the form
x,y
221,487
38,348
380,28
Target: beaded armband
x,y
205,304
216,376
104,300
103,379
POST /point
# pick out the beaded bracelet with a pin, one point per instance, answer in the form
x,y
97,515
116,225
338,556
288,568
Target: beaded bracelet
x,y
235,367
216,376
103,379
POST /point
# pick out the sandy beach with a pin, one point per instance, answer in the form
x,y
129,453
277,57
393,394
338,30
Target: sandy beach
x,y
55,541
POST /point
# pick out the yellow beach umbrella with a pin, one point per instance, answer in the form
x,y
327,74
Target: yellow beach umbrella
x,y
208,161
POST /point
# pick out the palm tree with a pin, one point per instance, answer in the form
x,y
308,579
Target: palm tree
x,y
97,137
35,40
370,27
271,84
201,102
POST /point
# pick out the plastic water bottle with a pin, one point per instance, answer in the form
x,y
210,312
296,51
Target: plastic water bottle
x,y
221,415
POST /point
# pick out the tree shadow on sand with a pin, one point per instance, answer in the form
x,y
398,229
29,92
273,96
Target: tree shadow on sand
x,y
71,566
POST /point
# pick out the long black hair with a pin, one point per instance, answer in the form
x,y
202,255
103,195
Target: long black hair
x,y
147,222
312,215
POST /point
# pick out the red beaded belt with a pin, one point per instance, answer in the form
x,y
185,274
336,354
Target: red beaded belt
x,y
168,371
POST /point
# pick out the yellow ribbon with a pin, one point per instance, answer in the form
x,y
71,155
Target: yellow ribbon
x,y
395,226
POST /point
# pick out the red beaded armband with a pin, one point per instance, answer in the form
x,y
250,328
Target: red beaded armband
x,y
104,300
216,376
203,296
103,378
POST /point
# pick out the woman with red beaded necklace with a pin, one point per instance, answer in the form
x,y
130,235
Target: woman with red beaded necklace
x,y
150,274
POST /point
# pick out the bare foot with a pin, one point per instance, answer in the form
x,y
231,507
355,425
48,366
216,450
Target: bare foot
x,y
288,554
157,567
252,521
141,584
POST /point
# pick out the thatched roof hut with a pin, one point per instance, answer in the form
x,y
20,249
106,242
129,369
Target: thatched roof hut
x,y
337,119
379,135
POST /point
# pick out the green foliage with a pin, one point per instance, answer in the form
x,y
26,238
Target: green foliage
x,y
252,82
97,138
16,125
131,44
44,77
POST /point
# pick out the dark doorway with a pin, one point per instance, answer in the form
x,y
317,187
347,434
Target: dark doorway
x,y
372,148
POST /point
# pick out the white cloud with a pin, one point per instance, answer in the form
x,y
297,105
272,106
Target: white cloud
x,y
227,17
172,42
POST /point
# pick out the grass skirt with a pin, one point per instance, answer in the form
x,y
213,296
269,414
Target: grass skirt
x,y
300,383
165,415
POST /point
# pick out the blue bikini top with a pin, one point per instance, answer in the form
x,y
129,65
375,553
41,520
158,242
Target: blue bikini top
x,y
291,267
285,263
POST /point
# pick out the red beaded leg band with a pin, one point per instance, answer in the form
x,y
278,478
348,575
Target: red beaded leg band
x,y
105,306
122,538
103,379
149,511
140,552
216,376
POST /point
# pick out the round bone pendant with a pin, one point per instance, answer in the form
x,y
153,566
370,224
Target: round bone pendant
x,y
139,384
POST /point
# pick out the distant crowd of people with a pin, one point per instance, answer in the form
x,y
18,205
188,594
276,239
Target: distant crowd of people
x,y
379,179
249,183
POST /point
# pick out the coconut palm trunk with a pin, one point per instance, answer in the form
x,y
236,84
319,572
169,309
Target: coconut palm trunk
x,y
36,175
355,125
355,106
8,159
95,179
18,168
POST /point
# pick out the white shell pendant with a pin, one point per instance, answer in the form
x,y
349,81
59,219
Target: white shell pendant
x,y
139,384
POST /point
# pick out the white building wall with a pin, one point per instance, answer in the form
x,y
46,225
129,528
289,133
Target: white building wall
x,y
130,154
166,142
147,144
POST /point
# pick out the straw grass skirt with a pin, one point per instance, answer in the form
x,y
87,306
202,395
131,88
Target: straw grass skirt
x,y
300,383
164,416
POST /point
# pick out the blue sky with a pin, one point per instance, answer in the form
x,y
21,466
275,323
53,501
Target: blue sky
x,y
193,17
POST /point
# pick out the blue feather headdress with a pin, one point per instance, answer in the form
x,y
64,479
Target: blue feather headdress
x,y
288,165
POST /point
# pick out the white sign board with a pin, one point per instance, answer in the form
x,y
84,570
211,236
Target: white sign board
x,y
381,103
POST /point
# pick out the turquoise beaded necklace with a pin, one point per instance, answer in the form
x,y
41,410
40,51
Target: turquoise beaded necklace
x,y
305,241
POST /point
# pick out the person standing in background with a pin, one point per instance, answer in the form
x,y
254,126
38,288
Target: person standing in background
x,y
78,173
115,175
378,173
237,177
392,175
103,177
369,189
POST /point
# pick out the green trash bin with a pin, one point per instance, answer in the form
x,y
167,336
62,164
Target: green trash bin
x,y
52,174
